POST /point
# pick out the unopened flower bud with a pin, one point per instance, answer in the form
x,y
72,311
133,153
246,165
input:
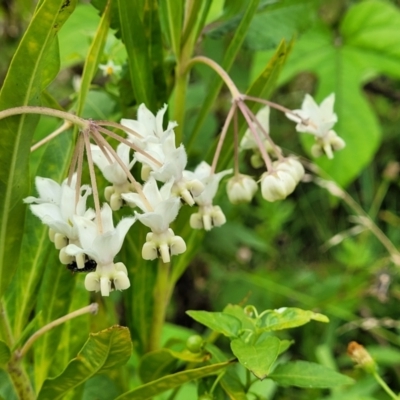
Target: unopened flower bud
x,y
292,167
277,185
241,189
361,357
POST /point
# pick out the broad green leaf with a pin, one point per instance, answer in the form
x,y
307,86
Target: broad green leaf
x,y
238,312
216,83
53,302
171,381
226,324
258,357
36,246
285,318
105,350
308,375
5,353
156,364
137,46
22,86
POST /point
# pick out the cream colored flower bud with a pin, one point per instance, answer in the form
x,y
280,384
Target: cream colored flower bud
x,y
121,281
241,189
145,172
116,201
108,192
60,241
292,167
277,185
52,234
92,282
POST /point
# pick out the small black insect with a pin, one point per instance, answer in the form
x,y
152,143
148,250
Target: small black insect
x,y
90,265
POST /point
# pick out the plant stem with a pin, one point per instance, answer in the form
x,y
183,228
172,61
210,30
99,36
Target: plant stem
x,y
162,293
236,95
92,308
384,386
65,126
20,379
45,111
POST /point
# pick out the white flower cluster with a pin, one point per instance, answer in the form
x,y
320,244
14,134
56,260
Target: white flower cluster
x,y
88,241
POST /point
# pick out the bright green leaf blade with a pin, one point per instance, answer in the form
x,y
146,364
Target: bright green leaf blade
x,y
105,350
257,357
238,312
22,86
133,36
373,25
308,375
171,381
226,324
216,83
93,58
5,353
286,318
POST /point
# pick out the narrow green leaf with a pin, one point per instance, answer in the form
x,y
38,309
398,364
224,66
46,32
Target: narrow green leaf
x,y
285,318
105,350
172,11
137,47
22,86
5,353
93,57
226,324
171,381
257,357
216,83
308,375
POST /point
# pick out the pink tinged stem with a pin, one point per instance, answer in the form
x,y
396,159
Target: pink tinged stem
x,y
74,160
93,181
276,106
265,156
119,126
79,170
222,138
236,142
65,126
99,139
127,142
267,135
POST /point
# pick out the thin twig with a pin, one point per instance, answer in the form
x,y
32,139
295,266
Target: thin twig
x,y
119,126
65,126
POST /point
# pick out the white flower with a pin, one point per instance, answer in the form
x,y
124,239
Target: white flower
x,y
241,189
208,215
114,173
110,68
318,120
102,247
56,208
162,240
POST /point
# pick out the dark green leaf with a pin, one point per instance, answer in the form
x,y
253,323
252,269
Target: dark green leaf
x,y
308,375
171,381
105,350
258,357
226,324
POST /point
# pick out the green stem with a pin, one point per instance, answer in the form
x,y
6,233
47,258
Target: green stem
x,y
385,387
5,328
45,111
162,293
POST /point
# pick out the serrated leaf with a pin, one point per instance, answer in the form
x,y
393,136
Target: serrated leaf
x,y
105,350
308,375
285,318
154,388
257,357
22,86
223,323
5,353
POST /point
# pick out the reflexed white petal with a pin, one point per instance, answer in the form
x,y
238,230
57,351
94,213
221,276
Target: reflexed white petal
x,y
49,190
